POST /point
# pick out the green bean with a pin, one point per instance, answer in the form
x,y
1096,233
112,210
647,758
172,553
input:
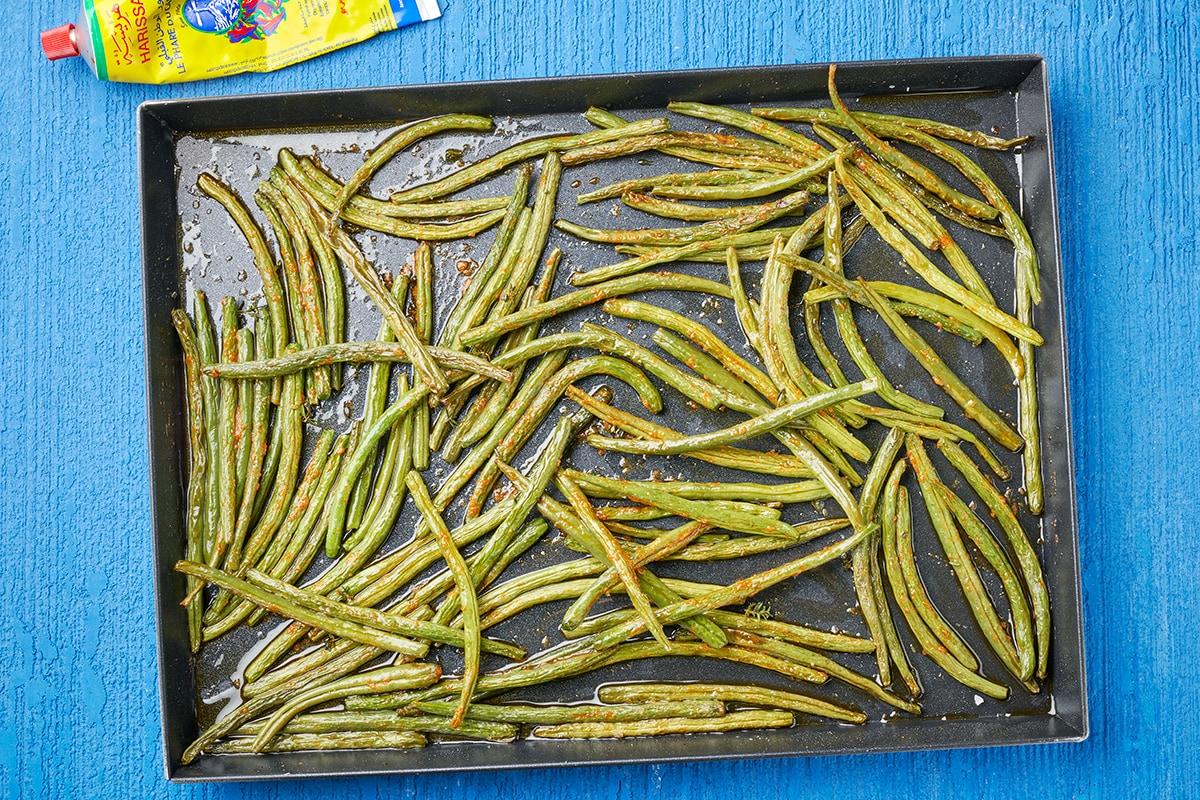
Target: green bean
x,y
353,259
730,520
1026,255
759,188
617,557
743,190
577,530
330,650
206,345
376,681
555,715
960,560
661,281
355,352
735,458
423,306
703,365
263,261
660,548
242,424
299,504
423,231
687,144
1031,569
744,546
270,467
754,218
930,273
737,155
898,197
382,620
709,250
935,309
818,661
293,549
289,419
741,302
529,673
291,560
695,388
340,496
940,129
700,335
267,700
552,453
897,536
401,140
645,513
632,651
330,276
373,405
943,376
302,278
522,585
989,548
735,721
530,415
950,642
568,590
713,177
534,241
784,415
857,348
866,566
479,280
197,468
344,740
874,179
337,722
923,175
397,461
736,592
671,209
871,612
387,575
347,630
523,151
495,397
1013,226
466,592
527,536
324,188
1027,408
789,632
740,119
259,423
652,693
226,432
477,458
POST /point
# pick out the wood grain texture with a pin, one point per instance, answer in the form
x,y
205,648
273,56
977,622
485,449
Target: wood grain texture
x,y
79,706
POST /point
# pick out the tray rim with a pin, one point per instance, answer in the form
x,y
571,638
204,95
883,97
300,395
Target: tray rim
x,y
158,117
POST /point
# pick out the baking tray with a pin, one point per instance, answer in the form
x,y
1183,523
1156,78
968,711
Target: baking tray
x,y
188,243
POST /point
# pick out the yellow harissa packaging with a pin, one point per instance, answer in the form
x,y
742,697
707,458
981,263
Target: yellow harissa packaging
x,y
164,41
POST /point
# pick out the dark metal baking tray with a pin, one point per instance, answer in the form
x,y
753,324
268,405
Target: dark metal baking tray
x,y
189,245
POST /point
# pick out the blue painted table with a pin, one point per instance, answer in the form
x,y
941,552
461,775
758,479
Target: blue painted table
x,y
79,710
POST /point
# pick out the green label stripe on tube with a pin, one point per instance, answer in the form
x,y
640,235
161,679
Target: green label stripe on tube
x,y
89,7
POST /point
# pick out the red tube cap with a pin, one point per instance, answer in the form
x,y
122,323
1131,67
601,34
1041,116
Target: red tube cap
x,y
60,42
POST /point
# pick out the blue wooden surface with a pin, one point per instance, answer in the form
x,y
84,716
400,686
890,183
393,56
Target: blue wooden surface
x,y
78,707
